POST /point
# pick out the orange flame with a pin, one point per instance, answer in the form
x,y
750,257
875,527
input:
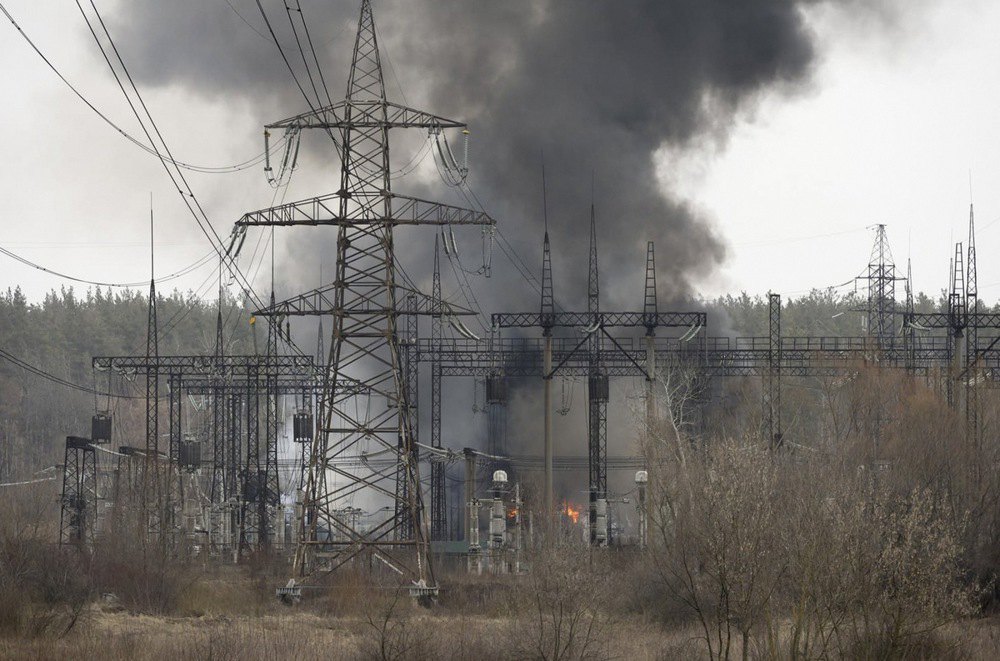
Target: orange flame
x,y
572,513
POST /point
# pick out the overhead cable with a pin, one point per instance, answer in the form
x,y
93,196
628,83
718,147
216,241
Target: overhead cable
x,y
122,285
58,380
205,169
18,484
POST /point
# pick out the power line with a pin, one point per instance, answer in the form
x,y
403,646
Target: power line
x,y
19,484
243,18
284,57
305,62
37,371
288,65
123,285
250,162
180,182
319,69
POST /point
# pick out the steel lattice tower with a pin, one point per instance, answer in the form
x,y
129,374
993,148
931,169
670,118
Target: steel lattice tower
x,y
439,504
597,396
362,408
218,414
909,333
650,311
547,316
150,497
548,309
411,356
78,512
772,385
957,318
881,279
649,304
270,489
971,336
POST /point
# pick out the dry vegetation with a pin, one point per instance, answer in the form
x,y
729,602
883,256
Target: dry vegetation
x,y
877,539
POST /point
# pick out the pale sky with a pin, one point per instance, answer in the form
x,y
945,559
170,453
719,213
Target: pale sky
x,y
895,123
895,119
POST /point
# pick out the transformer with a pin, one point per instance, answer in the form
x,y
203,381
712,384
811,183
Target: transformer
x,y
597,385
302,427
100,428
190,454
496,390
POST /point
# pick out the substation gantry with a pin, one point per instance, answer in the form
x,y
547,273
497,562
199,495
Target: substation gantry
x,y
241,480
894,340
357,410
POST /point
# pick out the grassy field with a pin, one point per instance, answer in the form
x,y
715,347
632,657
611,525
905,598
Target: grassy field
x,y
428,635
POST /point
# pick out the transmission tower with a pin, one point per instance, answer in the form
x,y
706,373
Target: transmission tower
x,y
411,357
650,309
772,385
218,410
439,518
152,496
547,315
362,409
957,319
971,336
269,497
909,333
597,400
881,277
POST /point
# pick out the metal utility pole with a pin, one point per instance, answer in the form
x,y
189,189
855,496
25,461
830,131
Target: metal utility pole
x,y
439,514
547,321
405,531
218,411
362,407
971,337
78,511
173,497
235,446
472,510
150,474
772,384
597,400
269,495
909,333
649,318
958,317
249,531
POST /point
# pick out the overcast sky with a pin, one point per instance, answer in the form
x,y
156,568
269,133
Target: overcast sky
x,y
896,110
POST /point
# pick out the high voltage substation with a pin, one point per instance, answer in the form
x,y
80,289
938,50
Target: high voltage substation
x,y
367,487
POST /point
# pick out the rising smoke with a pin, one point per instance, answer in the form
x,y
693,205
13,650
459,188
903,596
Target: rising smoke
x,y
601,87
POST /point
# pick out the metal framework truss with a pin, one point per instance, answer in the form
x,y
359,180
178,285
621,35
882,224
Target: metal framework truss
x,y
603,319
322,302
372,416
366,108
329,210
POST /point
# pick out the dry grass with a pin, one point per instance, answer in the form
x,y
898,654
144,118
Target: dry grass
x,y
225,614
302,635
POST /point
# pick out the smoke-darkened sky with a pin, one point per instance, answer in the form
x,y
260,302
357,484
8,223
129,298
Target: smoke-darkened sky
x,y
754,141
599,88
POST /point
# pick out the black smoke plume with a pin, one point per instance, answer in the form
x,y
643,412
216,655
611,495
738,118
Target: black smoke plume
x,y
600,87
